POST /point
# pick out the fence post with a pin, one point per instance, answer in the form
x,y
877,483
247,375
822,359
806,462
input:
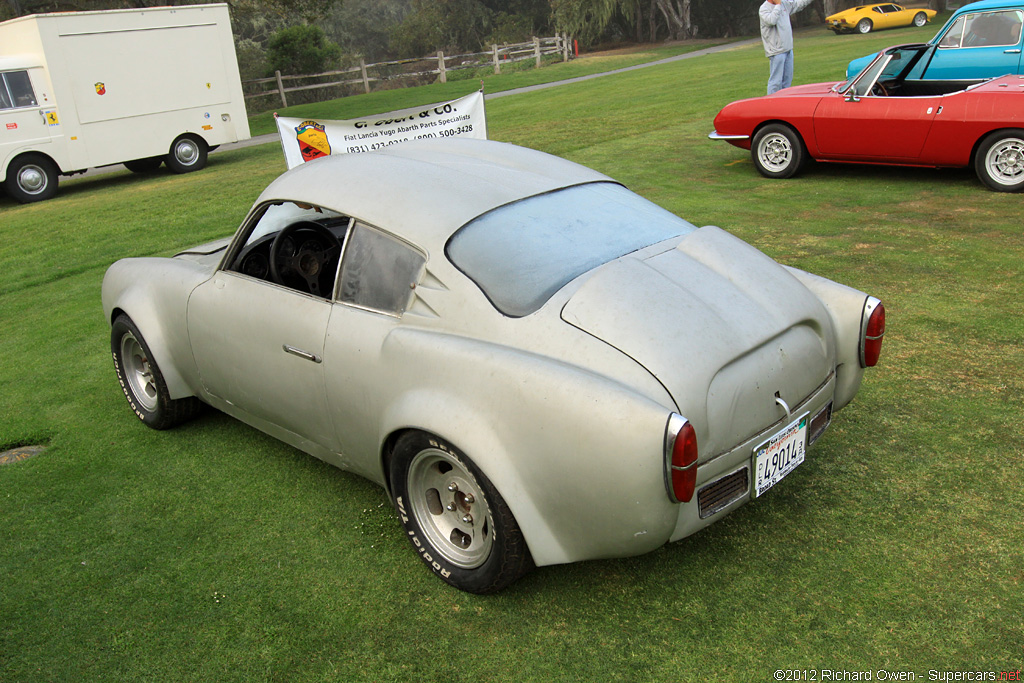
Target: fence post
x,y
362,70
536,50
497,64
440,66
564,37
280,89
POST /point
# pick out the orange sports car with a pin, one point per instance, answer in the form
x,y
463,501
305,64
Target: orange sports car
x,y
866,18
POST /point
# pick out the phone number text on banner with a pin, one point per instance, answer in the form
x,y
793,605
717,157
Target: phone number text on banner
x,y
307,139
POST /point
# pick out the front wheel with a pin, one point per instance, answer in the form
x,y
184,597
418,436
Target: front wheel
x,y
188,153
864,26
456,520
141,380
777,151
32,178
920,19
999,161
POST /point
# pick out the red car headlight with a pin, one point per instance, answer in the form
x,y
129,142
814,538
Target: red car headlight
x,y
680,459
872,330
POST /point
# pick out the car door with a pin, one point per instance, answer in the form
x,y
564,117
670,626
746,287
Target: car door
x,y
888,16
259,345
873,126
866,122
378,278
979,45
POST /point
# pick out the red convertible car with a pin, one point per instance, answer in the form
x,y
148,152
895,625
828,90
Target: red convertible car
x,y
886,115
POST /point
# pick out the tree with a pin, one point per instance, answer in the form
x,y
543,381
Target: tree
x,y
302,49
677,17
448,25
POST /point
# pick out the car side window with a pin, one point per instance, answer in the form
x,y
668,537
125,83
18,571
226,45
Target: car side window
x,y
378,272
984,29
16,90
293,244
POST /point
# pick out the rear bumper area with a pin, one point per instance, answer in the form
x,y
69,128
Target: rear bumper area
x,y
726,481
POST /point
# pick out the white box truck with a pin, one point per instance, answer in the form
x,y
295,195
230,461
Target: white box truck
x,y
139,87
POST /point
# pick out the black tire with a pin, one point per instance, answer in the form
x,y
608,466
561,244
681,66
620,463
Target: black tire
x,y
147,165
778,151
920,19
32,178
999,161
141,380
456,520
188,153
864,26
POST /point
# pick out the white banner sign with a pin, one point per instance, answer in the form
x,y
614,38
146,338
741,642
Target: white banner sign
x,y
307,139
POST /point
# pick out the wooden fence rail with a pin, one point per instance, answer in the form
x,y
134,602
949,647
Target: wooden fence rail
x,y
408,69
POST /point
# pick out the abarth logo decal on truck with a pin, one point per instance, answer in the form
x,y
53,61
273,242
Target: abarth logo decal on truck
x,y
312,139
101,89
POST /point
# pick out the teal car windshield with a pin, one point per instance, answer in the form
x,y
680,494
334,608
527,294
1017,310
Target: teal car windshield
x,y
522,253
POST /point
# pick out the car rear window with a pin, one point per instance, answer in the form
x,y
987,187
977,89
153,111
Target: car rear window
x,y
522,253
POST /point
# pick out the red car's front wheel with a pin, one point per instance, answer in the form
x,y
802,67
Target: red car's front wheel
x,y
778,151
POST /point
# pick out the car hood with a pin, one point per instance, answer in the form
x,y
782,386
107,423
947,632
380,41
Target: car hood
x,y
206,254
720,325
803,90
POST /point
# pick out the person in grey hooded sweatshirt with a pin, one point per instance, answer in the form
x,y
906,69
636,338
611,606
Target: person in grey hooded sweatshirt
x,y
777,36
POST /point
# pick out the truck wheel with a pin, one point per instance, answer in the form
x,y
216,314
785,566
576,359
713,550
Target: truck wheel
x,y
147,165
31,178
188,153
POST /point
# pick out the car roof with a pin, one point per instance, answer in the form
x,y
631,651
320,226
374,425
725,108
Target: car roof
x,y
424,190
989,4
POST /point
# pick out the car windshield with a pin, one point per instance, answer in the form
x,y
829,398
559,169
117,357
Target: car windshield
x,y
522,253
892,64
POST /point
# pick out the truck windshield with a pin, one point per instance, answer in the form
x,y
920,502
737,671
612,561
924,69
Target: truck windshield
x,y
522,253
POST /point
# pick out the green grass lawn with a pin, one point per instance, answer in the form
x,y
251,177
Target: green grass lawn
x,y
214,553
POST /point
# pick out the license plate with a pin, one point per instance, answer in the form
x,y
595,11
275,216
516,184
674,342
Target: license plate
x,y
779,455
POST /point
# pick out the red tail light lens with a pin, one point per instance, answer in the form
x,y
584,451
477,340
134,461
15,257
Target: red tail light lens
x,y
872,332
680,459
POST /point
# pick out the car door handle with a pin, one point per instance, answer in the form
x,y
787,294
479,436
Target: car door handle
x,y
1011,52
302,354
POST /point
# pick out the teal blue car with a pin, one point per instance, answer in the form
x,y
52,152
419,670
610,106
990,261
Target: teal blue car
x,y
981,40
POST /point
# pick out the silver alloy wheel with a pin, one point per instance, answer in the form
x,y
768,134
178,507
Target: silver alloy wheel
x,y
138,372
186,151
1004,161
450,507
775,152
32,179
864,26
920,19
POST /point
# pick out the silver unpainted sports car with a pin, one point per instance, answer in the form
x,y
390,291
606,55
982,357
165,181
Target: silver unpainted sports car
x,y
538,365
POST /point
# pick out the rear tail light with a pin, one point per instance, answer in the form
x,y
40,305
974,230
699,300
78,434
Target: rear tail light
x,y
872,329
680,459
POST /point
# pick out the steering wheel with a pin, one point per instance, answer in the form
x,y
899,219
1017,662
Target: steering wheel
x,y
879,90
307,258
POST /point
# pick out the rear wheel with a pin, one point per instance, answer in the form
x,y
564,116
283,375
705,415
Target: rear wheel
x,y
920,19
141,380
999,161
778,151
188,153
32,178
864,26
456,520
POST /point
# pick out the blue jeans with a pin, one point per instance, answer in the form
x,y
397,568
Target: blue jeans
x,y
780,71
